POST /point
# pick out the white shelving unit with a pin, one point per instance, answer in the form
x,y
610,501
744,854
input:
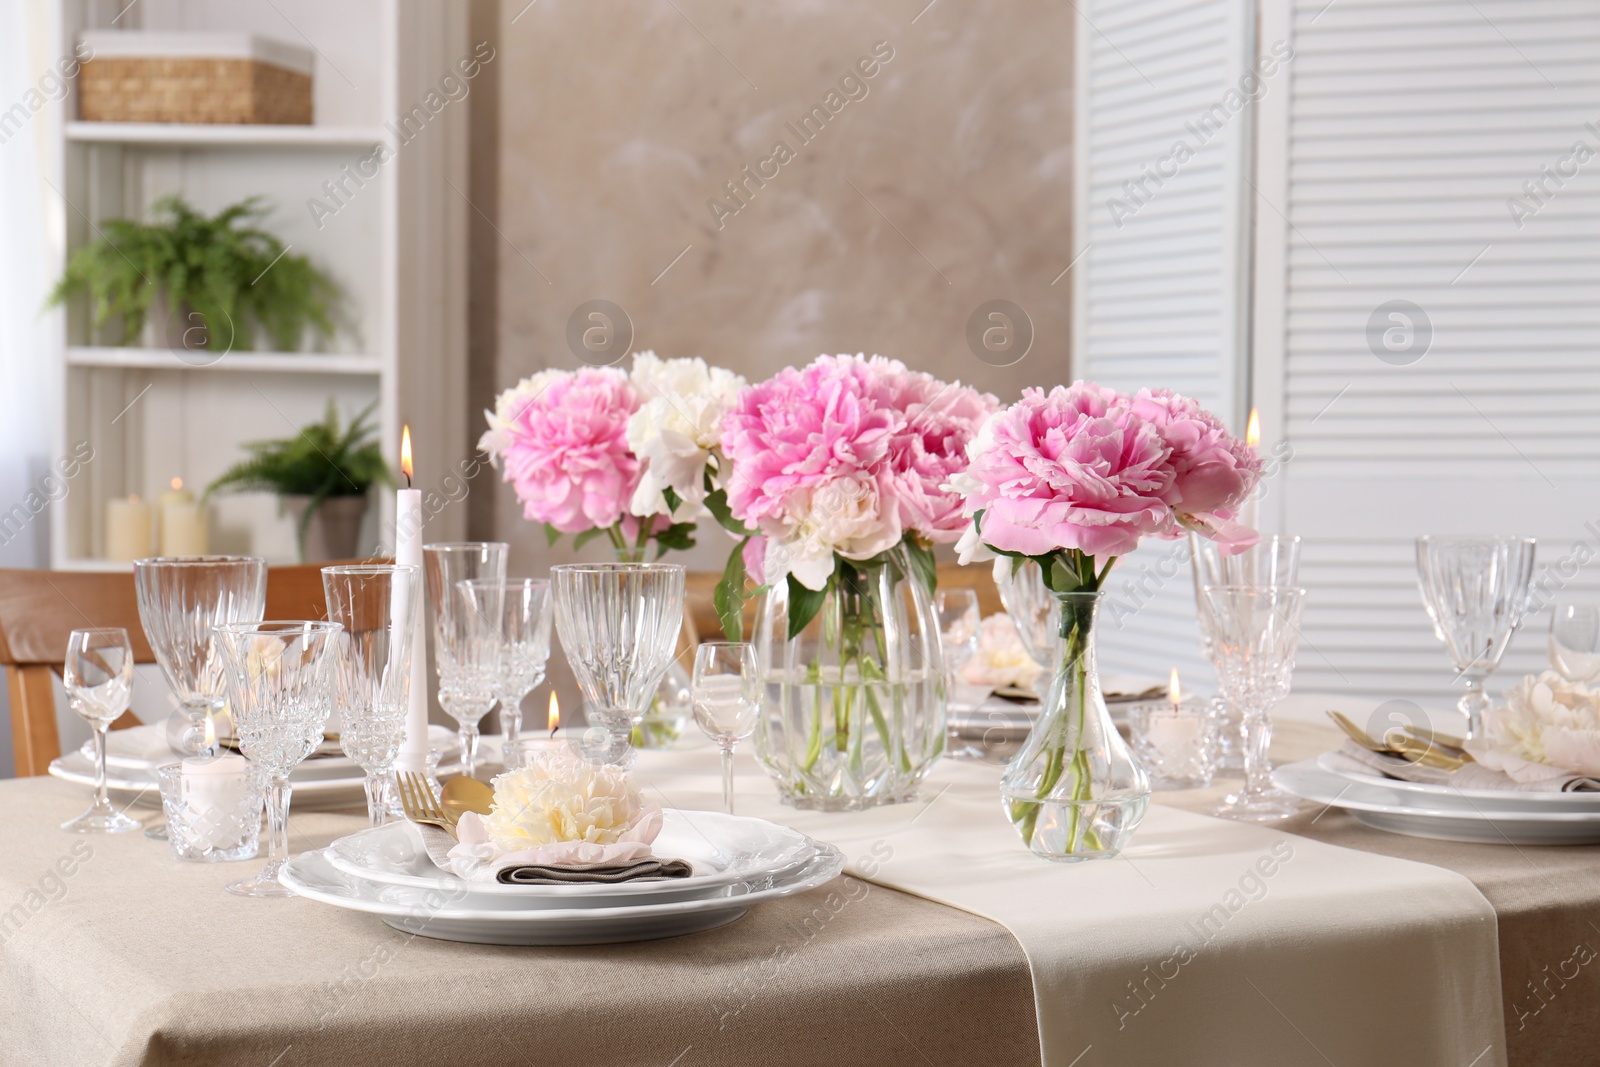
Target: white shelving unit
x,y
395,242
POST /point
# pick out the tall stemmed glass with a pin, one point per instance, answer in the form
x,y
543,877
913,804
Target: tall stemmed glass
x,y
520,630
959,618
468,675
1272,561
1476,591
1255,632
726,695
181,599
99,678
619,626
377,605
280,692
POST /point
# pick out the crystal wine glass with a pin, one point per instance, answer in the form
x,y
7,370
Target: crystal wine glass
x,y
377,605
99,678
1476,591
468,673
726,695
280,678
181,598
1575,641
520,631
1034,611
619,626
1255,632
1271,561
958,616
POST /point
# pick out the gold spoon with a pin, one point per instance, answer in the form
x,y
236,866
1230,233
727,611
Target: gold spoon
x,y
463,794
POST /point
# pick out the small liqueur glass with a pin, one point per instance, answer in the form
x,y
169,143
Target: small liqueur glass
x,y
1575,641
98,674
726,694
280,677
959,618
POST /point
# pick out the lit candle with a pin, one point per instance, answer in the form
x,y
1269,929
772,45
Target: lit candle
x,y
183,522
1250,514
128,528
413,754
213,789
528,749
555,714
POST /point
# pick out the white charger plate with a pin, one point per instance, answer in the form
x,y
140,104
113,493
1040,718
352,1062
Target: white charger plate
x,y
322,784
1404,812
1447,797
442,915
729,854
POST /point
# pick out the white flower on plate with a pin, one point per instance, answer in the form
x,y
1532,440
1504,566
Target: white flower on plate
x,y
677,430
1000,660
508,408
562,799
1546,722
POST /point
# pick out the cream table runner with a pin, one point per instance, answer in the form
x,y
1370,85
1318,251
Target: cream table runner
x,y
1208,942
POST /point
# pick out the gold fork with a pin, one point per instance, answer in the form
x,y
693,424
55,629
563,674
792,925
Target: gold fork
x,y
1402,746
421,806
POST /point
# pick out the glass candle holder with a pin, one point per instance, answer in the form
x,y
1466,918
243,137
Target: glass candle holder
x,y
1176,743
213,808
527,750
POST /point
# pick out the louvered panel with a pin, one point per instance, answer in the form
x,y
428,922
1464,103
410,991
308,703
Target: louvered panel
x,y
1154,297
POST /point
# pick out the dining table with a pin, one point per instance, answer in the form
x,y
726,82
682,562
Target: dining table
x,y
1316,941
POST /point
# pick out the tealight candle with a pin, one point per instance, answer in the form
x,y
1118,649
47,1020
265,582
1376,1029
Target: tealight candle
x,y
212,789
1174,739
528,749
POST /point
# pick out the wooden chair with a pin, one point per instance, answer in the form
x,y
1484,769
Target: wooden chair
x,y
39,609
703,616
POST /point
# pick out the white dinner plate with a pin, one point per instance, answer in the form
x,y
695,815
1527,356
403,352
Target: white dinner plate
x,y
315,788
432,913
1448,797
729,854
1404,812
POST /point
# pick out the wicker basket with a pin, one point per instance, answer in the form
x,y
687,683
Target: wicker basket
x,y
194,78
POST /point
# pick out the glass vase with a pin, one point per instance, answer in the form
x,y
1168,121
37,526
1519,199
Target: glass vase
x,y
854,714
1074,792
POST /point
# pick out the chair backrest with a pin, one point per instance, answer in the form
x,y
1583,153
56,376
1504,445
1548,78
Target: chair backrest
x,y
40,609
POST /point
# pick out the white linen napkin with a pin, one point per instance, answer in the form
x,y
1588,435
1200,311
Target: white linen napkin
x,y
1471,776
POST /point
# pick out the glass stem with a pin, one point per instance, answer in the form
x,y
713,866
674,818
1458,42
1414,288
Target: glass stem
x,y
468,733
1257,739
101,801
727,778
377,787
510,720
277,823
1473,703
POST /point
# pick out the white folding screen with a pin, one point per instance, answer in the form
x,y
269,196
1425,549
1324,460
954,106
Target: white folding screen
x,y
1162,136
1427,310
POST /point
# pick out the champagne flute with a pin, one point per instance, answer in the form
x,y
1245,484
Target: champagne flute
x,y
99,679
726,693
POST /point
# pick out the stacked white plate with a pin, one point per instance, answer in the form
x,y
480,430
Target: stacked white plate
x,y
737,862
1488,816
320,783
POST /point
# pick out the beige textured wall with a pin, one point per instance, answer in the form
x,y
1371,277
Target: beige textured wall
x,y
946,185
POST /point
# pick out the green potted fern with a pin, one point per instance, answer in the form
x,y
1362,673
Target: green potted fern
x,y
209,282
321,475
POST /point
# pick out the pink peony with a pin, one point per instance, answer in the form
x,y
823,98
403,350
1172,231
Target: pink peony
x,y
1072,469
563,437
799,430
941,420
1213,471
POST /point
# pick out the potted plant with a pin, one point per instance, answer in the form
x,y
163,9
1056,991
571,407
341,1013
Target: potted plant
x,y
219,280
321,476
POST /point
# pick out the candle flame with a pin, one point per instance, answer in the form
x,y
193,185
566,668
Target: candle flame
x,y
1174,691
555,714
210,735
177,483
1252,430
405,453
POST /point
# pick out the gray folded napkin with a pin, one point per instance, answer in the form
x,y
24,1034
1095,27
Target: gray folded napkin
x,y
1471,776
439,843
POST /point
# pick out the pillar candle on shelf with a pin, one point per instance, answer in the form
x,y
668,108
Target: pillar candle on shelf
x,y
183,522
413,754
128,528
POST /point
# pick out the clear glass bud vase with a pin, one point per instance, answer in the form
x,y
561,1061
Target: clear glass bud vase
x,y
854,714
1074,792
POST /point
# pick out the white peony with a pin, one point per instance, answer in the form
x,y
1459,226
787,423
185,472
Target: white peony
x,y
564,798
677,429
1000,660
848,515
1546,722
509,406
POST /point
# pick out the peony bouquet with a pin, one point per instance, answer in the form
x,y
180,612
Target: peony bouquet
x,y
1073,479
598,451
